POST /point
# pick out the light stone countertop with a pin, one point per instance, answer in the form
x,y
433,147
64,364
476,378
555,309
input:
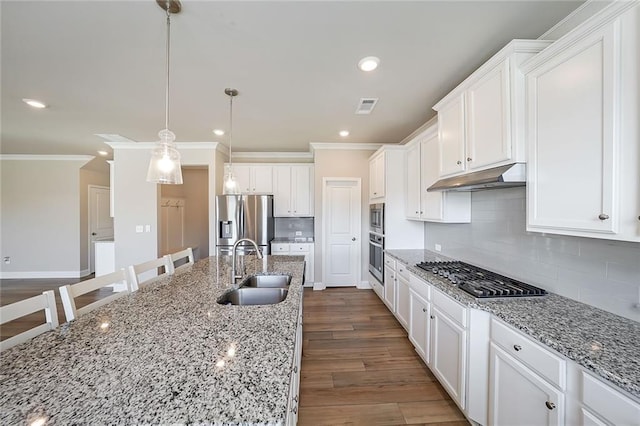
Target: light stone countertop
x,y
164,358
601,342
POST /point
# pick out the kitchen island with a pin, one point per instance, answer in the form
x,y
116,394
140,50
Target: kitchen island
x,y
166,354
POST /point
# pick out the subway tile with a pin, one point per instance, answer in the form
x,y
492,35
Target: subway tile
x,y
628,273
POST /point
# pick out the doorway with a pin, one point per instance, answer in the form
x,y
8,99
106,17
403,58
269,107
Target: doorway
x,y
341,231
100,220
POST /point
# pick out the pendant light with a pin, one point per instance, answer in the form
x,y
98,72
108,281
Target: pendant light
x,y
230,184
164,166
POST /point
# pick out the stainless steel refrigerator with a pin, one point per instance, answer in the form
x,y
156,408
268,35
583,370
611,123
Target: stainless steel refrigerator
x,y
244,216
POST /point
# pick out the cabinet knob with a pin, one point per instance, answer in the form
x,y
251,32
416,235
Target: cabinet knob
x,y
432,317
550,405
295,398
517,348
458,162
603,216
469,159
294,410
353,238
295,369
424,309
420,211
416,212
375,193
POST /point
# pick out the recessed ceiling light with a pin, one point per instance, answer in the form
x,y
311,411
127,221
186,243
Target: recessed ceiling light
x,y
344,133
218,132
103,153
34,103
369,63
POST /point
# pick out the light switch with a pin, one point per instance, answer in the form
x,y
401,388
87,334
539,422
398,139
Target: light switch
x,y
139,228
147,228
438,247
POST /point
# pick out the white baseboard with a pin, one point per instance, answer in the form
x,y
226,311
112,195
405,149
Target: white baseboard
x,y
364,285
43,274
319,286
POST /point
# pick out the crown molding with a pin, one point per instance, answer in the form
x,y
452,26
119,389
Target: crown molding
x,y
316,146
45,157
179,145
272,154
427,129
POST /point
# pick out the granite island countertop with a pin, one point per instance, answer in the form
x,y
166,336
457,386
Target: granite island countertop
x,y
602,342
166,354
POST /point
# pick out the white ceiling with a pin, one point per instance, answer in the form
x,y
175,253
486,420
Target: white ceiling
x,y
100,67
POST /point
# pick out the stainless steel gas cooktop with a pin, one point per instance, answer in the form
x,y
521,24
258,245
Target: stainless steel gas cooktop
x,y
479,282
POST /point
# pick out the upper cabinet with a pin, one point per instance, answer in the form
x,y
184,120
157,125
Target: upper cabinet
x,y
254,178
422,160
480,123
377,177
583,130
293,190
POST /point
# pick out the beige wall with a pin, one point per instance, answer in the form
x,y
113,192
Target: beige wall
x,y
341,163
40,216
88,177
194,191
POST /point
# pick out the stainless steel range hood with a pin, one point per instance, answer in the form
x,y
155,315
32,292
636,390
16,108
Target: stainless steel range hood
x,y
499,177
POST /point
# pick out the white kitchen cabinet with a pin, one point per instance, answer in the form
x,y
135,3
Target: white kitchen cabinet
x,y
293,190
294,386
112,177
583,175
420,324
448,353
480,122
253,178
602,404
299,249
422,165
390,284
377,177
403,303
519,396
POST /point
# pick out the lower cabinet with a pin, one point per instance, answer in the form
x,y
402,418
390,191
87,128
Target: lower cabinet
x,y
403,307
301,249
294,387
419,326
519,396
390,287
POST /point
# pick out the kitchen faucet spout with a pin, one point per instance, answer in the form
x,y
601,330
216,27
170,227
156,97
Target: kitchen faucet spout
x,y
234,275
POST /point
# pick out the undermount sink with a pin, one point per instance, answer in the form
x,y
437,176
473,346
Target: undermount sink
x,y
254,296
267,281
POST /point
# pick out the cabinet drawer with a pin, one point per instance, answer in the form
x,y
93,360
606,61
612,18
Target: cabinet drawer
x,y
453,309
299,248
420,286
279,248
390,262
401,268
545,363
608,403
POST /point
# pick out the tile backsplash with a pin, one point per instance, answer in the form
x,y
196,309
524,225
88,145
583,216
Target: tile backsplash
x,y
286,227
602,273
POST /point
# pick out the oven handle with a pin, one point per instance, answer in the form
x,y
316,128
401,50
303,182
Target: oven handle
x,y
375,244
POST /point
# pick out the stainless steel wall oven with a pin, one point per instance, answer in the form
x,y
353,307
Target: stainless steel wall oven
x,y
376,256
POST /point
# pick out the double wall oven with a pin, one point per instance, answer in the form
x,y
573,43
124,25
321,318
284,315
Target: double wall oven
x,y
376,241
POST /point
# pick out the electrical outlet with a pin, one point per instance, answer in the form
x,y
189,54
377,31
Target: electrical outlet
x,y
298,233
147,228
139,228
438,247
7,260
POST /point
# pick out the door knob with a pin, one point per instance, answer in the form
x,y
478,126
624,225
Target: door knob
x,y
94,233
353,239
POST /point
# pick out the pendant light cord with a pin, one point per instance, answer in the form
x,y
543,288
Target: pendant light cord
x,y
230,128
166,116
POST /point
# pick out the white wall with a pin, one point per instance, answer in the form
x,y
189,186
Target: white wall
x,y
137,201
40,216
341,163
601,273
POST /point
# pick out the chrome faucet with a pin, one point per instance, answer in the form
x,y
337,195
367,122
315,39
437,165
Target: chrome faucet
x,y
234,275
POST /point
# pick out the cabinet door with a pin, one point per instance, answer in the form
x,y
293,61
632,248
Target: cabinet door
x,y
451,136
430,158
403,307
262,179
413,188
419,325
302,190
282,191
488,119
243,178
520,397
448,354
573,139
376,177
390,288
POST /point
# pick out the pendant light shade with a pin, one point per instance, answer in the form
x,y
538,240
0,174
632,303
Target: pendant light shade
x,y
164,166
230,184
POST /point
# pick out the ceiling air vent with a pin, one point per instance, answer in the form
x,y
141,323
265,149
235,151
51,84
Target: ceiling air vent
x,y
365,106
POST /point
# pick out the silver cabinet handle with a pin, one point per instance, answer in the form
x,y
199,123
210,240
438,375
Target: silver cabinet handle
x,y
517,347
603,216
550,405
458,162
469,159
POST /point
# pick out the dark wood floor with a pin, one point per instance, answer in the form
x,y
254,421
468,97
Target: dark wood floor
x,y
359,368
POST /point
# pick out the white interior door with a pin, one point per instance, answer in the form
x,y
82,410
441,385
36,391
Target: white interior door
x,y
100,220
341,231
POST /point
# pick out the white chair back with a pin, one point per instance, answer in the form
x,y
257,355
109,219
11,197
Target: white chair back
x,y
136,270
45,301
69,292
186,254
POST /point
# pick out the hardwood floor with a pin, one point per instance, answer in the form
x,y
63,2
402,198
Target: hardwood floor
x,y
359,368
13,290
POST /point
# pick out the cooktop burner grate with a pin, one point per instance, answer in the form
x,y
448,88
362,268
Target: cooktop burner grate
x,y
479,282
